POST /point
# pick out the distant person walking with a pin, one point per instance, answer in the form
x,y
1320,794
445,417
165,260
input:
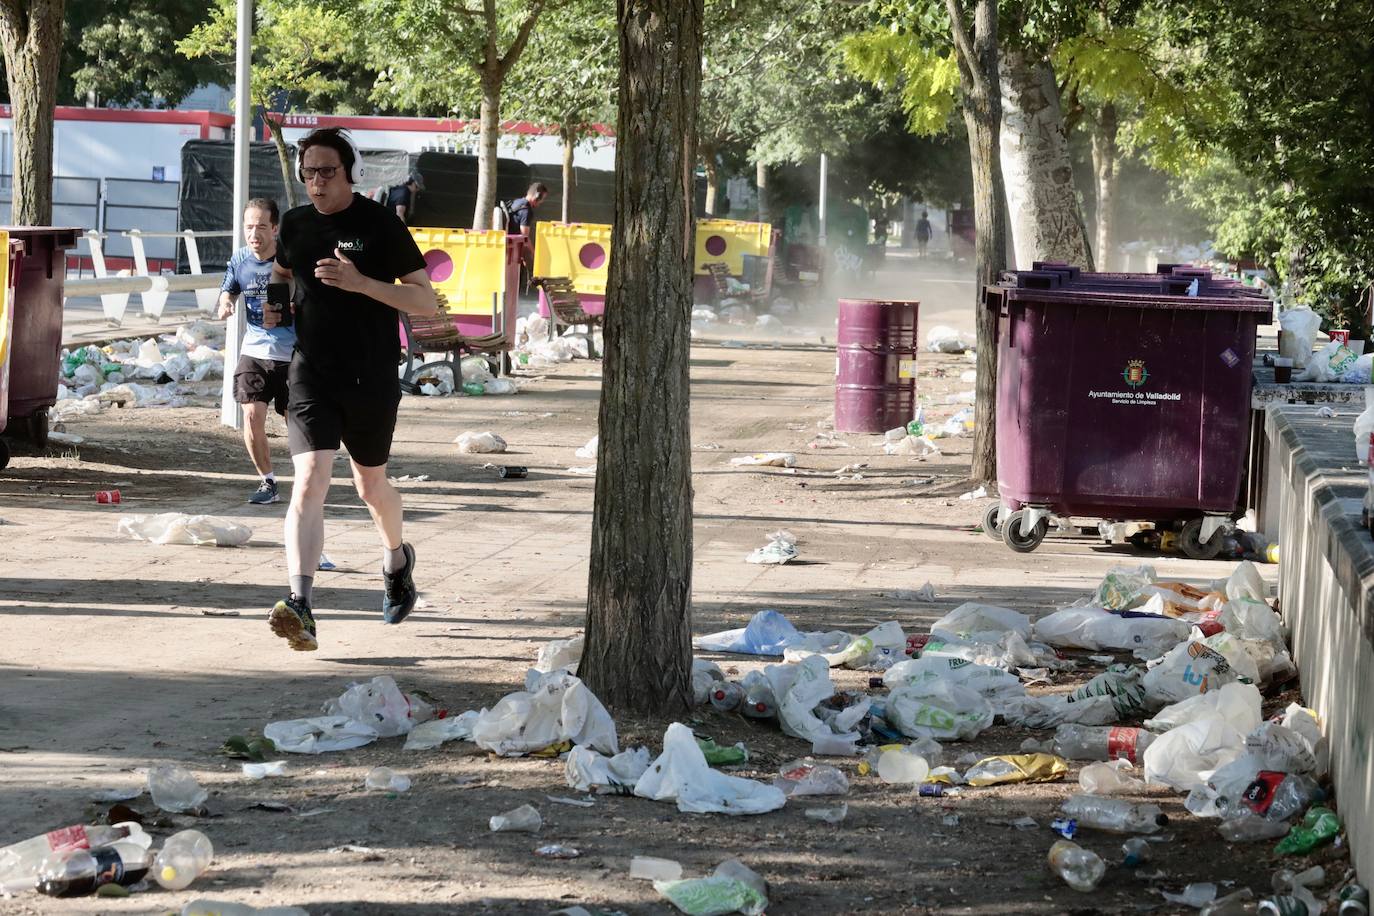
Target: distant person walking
x,y
922,234
265,354
401,197
345,254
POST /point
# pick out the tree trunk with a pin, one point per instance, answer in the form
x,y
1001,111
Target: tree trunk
x,y
1105,156
1046,217
569,148
284,160
486,152
761,182
708,159
32,37
638,654
983,119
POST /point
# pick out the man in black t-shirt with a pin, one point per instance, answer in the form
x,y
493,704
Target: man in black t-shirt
x,y
401,198
345,254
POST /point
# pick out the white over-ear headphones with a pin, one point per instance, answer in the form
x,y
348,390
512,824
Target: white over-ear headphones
x,y
354,174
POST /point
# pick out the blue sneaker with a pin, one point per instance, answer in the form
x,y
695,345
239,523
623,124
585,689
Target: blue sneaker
x,y
400,596
292,621
265,494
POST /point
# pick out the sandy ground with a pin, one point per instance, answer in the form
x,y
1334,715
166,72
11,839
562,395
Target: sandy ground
x,y
109,664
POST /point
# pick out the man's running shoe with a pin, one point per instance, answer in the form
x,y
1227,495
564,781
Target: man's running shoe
x,y
265,494
292,621
400,596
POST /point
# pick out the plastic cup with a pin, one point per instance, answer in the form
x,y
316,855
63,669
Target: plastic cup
x,y
1283,369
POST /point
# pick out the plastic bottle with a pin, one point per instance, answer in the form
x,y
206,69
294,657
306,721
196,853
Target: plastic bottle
x,y
1237,903
1114,815
1080,868
173,789
524,819
19,862
1093,742
1250,828
1273,795
1109,778
727,696
759,702
76,872
183,858
207,907
386,779
1319,825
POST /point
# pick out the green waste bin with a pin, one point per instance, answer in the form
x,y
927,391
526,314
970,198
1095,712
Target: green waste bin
x,y
36,329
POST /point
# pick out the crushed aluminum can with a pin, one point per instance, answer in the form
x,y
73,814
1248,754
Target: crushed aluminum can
x,y
1064,826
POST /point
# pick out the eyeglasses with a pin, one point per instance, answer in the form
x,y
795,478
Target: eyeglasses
x,y
325,171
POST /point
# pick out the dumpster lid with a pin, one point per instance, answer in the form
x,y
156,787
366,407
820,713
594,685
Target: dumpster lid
x,y
1125,299
62,236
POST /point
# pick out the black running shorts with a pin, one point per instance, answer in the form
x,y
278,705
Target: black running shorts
x,y
262,381
324,413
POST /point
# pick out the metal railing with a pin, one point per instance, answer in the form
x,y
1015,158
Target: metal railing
x,y
114,289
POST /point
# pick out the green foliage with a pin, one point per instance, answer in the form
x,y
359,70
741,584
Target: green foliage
x,y
125,51
568,74
926,79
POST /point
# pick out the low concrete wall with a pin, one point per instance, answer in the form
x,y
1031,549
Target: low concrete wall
x,y
1326,590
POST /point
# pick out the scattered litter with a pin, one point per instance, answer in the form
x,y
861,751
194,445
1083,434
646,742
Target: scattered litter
x,y
589,450
781,548
979,493
925,593
319,735
387,780
554,708
428,735
471,443
589,471
942,339
524,819
732,888
649,868
992,771
832,815
767,459
175,790
264,770
209,612
586,771
411,478
572,802
179,528
682,774
557,851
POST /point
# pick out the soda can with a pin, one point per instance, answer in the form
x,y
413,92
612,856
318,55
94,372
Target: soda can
x,y
1282,905
1064,826
512,470
1354,901
107,496
931,789
875,683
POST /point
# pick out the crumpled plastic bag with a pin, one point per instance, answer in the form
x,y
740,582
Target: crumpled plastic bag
x,y
1179,757
767,459
768,633
993,684
589,450
1237,703
982,622
733,888
781,548
1190,668
1007,768
705,675
938,709
560,655
881,646
471,443
942,339
319,734
588,771
1059,709
1122,587
557,707
434,732
799,689
1328,364
1096,628
180,528
1247,618
911,446
380,704
807,777
682,774
1298,334
1125,685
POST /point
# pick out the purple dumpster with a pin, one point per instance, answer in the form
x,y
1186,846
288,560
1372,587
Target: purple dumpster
x,y
875,365
36,339
1121,404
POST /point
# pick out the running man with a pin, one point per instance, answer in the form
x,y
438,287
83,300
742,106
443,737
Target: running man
x,y
345,255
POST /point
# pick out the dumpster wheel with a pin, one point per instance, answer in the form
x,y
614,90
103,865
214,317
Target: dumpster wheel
x,y
1013,537
990,526
38,427
4,454
1190,542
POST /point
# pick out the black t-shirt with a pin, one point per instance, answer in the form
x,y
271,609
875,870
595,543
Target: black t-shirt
x,y
520,215
346,336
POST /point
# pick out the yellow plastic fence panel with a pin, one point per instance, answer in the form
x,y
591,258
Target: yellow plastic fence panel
x,y
579,251
5,322
466,266
728,241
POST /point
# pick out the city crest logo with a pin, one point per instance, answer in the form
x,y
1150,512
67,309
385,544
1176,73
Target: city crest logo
x,y
1134,373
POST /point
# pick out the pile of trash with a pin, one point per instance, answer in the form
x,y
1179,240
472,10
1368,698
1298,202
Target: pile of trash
x,y
536,347
476,379
162,372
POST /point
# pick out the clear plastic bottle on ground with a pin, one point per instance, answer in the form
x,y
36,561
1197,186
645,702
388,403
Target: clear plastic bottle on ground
x,y
183,858
759,702
1114,815
19,862
1080,868
726,696
1109,778
524,819
76,872
386,779
1102,742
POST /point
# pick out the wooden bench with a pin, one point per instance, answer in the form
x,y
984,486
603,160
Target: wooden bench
x,y
565,308
719,273
437,333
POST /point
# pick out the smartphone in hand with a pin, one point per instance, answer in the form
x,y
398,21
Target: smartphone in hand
x,y
279,301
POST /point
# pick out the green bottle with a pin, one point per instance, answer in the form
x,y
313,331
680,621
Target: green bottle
x,y
1319,825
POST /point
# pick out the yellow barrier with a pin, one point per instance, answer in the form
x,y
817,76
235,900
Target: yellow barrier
x,y
5,321
579,251
466,266
728,241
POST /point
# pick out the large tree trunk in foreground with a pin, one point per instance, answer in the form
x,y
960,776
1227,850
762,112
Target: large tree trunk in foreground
x,y
1105,160
638,654
977,56
31,32
1046,217
486,153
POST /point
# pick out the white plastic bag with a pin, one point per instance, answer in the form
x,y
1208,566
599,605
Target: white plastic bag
x,y
1096,628
319,734
1190,668
1246,618
681,774
560,655
1328,364
942,339
380,704
1246,581
938,709
557,707
1181,756
470,443
799,689
589,450
1298,334
982,622
428,735
768,633
781,548
179,528
588,771
1238,704
767,459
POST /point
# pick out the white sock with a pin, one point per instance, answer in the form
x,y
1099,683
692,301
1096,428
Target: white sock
x,y
270,477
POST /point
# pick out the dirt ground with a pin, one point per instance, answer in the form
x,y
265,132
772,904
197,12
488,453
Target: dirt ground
x,y
110,665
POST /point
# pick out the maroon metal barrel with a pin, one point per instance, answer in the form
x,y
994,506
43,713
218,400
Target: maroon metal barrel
x,y
875,365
